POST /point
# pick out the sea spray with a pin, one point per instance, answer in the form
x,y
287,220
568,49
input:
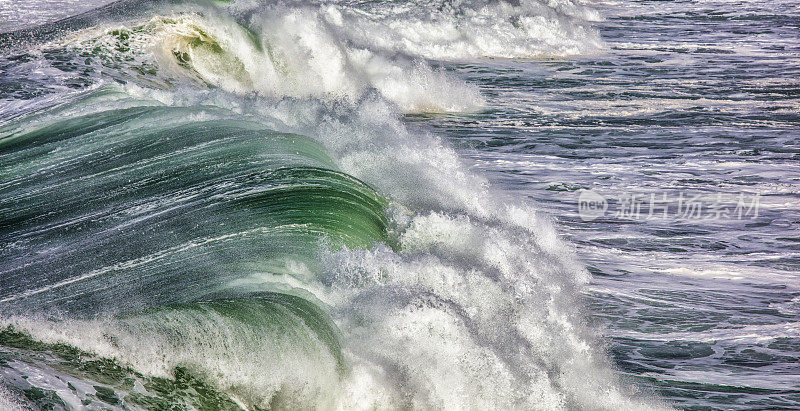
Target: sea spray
x,y
233,200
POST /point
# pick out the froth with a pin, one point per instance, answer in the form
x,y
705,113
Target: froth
x,y
256,363
343,51
467,315
476,304
468,30
292,53
10,402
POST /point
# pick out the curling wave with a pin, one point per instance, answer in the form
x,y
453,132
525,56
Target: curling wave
x,y
231,212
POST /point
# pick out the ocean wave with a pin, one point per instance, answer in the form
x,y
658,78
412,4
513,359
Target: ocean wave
x,y
232,194
331,50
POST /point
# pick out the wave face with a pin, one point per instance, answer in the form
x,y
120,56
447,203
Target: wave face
x,y
219,205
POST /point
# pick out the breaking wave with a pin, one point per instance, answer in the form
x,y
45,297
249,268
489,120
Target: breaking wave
x,y
212,205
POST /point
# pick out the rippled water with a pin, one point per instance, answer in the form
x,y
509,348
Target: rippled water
x,y
197,192
691,98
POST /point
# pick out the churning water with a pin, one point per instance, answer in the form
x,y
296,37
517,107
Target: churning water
x,y
350,204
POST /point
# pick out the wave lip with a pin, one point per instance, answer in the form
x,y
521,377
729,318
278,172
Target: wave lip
x,y
125,196
330,51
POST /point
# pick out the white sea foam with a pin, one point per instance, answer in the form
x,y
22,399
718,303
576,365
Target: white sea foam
x,y
479,305
9,401
295,58
461,30
247,361
343,51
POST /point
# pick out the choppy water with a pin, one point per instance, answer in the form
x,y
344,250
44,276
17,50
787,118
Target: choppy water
x,y
694,99
349,204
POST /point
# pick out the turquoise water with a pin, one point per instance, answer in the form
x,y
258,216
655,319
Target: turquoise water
x,y
222,205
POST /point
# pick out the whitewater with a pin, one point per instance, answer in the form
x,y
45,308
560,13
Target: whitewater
x,y
374,205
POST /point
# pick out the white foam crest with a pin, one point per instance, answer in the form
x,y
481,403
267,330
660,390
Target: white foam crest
x,y
293,54
10,402
475,307
342,51
479,306
466,30
253,364
482,295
